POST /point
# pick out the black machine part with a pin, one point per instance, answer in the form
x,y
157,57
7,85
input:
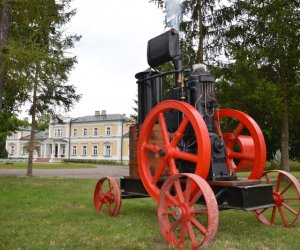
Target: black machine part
x,y
149,92
164,48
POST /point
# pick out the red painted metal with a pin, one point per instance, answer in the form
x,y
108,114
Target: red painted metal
x,y
286,195
184,222
245,145
169,147
107,196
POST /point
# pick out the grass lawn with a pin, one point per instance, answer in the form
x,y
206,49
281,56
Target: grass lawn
x,y
41,213
63,165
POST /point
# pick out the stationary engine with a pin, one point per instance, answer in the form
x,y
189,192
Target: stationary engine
x,y
180,126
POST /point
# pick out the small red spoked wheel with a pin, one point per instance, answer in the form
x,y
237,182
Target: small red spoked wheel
x,y
168,151
245,145
187,219
286,196
107,196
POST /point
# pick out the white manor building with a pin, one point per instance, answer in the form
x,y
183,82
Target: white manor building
x,y
99,137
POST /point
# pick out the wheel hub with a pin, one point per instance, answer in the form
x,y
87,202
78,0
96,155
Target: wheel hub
x,y
177,213
180,212
278,199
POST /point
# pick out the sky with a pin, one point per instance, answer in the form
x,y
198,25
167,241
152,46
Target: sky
x,y
112,50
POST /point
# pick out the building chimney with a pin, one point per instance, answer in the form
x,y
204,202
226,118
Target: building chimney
x,y
103,113
97,113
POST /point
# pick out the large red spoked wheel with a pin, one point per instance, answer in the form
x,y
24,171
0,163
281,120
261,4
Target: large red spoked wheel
x,y
107,196
245,145
167,151
187,219
286,196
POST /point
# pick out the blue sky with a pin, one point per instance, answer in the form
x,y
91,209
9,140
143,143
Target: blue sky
x,y
112,50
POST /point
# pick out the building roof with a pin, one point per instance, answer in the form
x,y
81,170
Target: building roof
x,y
97,118
42,135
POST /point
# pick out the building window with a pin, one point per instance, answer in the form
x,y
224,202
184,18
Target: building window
x,y
95,131
107,149
95,149
12,149
74,150
63,149
85,132
58,132
75,132
84,147
108,130
24,150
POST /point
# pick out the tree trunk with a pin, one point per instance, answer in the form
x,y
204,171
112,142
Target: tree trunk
x,y
33,125
201,33
285,139
5,23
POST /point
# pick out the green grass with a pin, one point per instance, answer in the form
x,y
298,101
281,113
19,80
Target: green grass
x,y
42,213
63,165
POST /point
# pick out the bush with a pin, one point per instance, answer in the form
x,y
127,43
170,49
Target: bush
x,y
295,165
91,161
273,164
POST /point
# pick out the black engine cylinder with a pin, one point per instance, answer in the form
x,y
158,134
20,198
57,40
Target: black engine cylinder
x,y
149,92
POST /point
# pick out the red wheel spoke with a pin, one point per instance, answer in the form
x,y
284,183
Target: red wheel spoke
x,y
108,206
191,234
278,182
109,184
289,208
171,198
187,191
237,155
174,225
179,132
100,206
286,188
182,233
268,180
262,211
159,171
291,199
178,190
196,198
151,147
185,156
273,215
238,129
201,211
282,216
164,129
172,167
198,225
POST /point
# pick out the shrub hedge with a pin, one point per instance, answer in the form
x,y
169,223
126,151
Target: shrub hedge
x,y
273,164
91,161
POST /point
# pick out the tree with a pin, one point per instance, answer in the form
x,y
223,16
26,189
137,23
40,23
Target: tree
x,y
266,35
41,58
195,20
5,23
